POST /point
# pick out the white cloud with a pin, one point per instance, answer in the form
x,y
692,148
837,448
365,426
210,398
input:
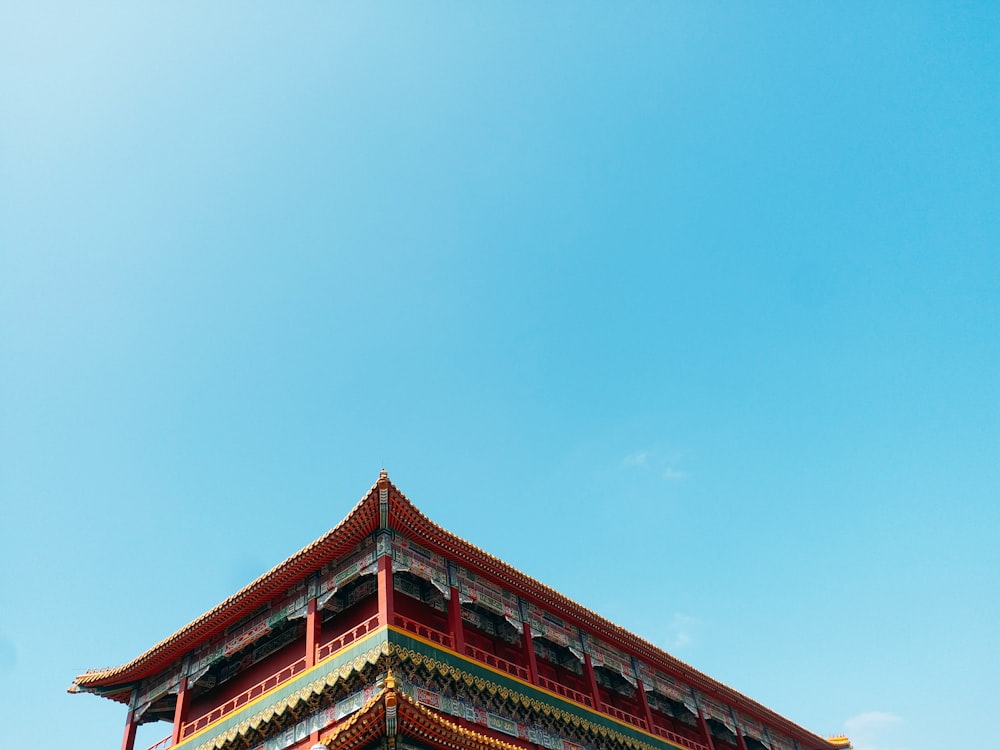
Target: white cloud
x,y
636,459
658,462
874,730
681,632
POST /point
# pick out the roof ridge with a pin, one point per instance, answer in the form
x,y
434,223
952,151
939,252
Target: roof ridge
x,y
625,638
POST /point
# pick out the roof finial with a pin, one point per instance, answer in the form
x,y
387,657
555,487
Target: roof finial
x,y
383,474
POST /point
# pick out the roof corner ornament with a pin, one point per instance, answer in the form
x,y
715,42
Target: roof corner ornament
x,y
390,711
383,499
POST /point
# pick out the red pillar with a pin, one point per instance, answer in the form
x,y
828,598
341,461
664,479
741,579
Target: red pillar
x,y
128,739
529,654
313,624
644,701
180,710
455,621
704,730
739,736
595,692
384,590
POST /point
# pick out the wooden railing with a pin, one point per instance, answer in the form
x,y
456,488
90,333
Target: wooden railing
x,y
435,636
162,744
496,662
424,631
340,642
269,683
565,692
623,716
245,697
678,739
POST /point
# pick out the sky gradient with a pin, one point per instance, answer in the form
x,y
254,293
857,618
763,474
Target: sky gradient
x,y
689,310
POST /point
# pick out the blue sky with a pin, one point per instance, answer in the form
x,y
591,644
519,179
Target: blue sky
x,y
689,310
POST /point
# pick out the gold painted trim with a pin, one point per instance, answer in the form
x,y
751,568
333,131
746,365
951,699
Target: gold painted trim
x,y
533,703
337,675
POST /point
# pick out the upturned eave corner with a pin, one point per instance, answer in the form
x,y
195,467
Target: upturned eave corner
x,y
360,521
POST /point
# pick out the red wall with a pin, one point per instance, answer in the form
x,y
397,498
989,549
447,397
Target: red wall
x,y
417,611
349,619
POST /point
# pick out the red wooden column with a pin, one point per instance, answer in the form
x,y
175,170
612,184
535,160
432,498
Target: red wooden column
x,y
644,701
704,730
183,699
313,623
455,621
128,739
739,736
529,653
385,590
595,692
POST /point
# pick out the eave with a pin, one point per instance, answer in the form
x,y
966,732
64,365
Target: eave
x,y
407,519
392,713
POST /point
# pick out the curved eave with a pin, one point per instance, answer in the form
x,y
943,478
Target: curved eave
x,y
361,728
359,523
412,720
423,723
408,519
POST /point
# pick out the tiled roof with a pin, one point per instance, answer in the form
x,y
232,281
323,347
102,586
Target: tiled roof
x,y
363,727
411,720
359,523
404,517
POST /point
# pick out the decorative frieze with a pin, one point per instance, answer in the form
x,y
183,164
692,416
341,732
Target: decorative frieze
x,y
473,589
421,562
464,709
603,655
713,709
320,720
653,680
358,564
752,728
154,688
546,625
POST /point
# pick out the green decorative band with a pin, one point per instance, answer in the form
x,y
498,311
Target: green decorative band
x,y
450,664
291,694
400,646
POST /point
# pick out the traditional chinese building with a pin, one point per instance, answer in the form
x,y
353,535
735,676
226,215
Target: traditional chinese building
x,y
390,632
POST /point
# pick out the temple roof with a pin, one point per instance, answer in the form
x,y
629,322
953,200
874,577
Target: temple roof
x,y
391,712
405,518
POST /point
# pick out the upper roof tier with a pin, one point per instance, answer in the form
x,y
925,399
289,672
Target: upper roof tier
x,y
403,517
